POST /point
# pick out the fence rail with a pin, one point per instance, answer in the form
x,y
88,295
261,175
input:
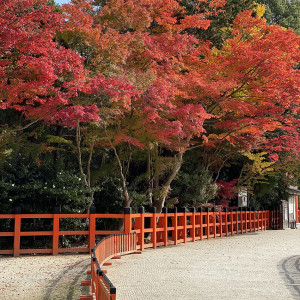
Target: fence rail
x,y
108,248
56,232
180,227
153,229
141,230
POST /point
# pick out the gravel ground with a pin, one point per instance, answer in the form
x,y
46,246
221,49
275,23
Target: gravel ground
x,y
43,277
264,265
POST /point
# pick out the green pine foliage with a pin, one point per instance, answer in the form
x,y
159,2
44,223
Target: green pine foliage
x,y
285,13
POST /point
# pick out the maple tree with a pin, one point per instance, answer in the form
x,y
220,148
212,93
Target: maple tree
x,y
35,74
155,64
137,77
42,80
260,111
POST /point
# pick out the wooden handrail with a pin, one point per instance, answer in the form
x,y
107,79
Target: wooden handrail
x,y
91,232
141,230
184,226
109,247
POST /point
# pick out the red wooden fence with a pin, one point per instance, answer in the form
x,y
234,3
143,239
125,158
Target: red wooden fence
x,y
141,230
153,229
109,247
180,227
56,232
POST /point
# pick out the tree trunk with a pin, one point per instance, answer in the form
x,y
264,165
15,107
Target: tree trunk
x,y
165,188
149,192
87,176
56,153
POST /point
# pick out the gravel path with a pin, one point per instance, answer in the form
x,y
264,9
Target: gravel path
x,y
264,265
43,277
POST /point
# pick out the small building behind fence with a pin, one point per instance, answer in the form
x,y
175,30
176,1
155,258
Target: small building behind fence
x,y
293,195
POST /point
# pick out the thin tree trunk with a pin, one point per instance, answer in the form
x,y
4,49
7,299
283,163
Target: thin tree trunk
x,y
149,192
87,176
127,199
56,153
165,188
79,156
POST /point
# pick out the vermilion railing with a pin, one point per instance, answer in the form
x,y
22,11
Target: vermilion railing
x,y
163,229
153,229
109,247
56,232
141,230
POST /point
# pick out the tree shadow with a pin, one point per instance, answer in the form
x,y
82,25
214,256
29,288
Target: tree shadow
x,y
289,269
69,290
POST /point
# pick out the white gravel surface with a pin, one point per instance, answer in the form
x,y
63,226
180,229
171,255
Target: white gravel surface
x,y
43,277
263,265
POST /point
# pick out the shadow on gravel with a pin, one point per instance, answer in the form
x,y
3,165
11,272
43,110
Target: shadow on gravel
x,y
289,268
74,280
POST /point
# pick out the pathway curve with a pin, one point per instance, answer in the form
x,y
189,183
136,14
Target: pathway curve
x,y
262,265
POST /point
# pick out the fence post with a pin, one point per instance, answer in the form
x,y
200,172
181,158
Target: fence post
x,y
92,227
206,209
250,219
256,220
153,226
260,217
221,223
127,219
240,220
231,222
165,235
55,239
201,222
184,221
193,223
246,219
226,221
174,225
141,211
17,231
215,221
93,273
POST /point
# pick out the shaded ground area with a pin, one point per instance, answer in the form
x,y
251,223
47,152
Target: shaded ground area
x,y
262,265
43,277
291,269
